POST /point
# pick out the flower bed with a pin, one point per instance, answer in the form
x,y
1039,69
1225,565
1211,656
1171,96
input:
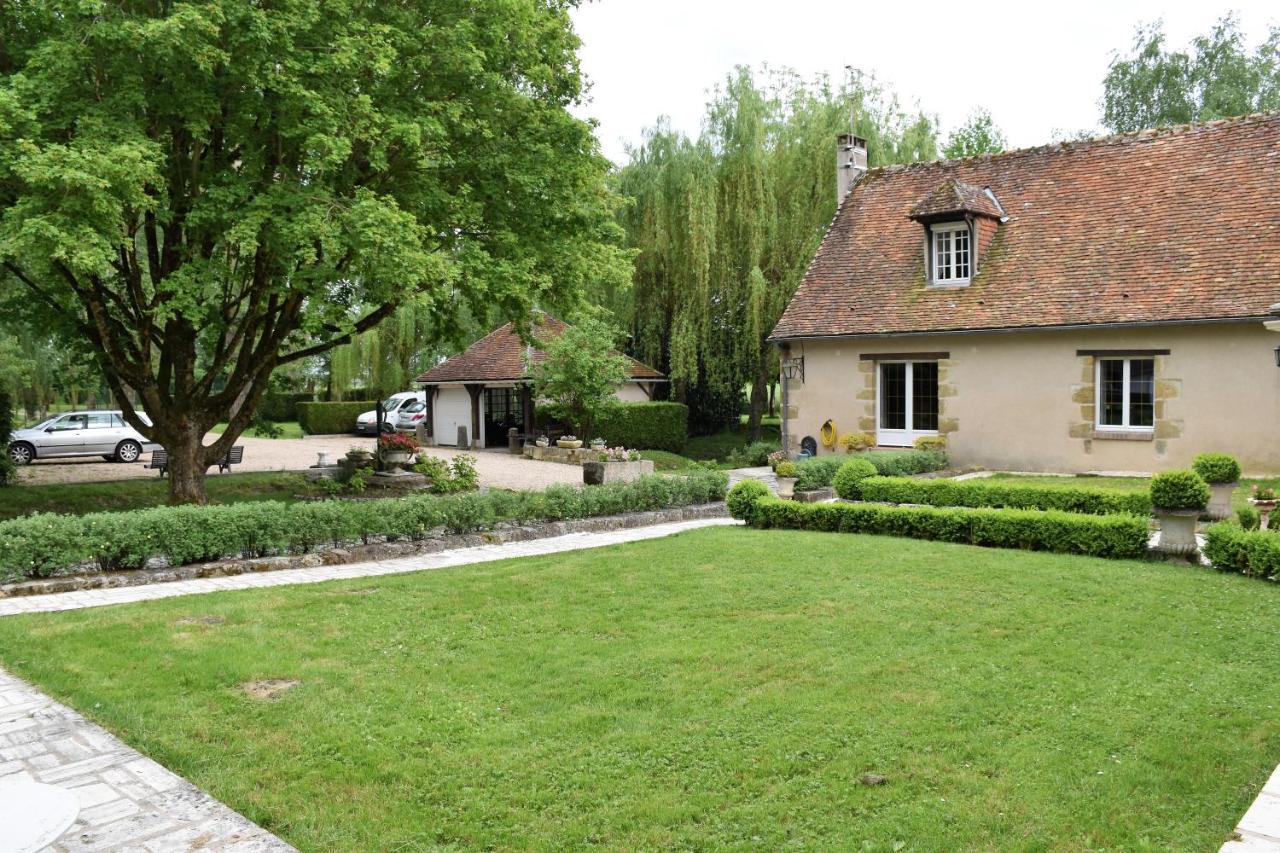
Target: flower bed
x,y
43,545
976,493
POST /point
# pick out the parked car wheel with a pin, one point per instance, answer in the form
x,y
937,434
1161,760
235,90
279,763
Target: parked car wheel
x,y
109,458
21,453
128,451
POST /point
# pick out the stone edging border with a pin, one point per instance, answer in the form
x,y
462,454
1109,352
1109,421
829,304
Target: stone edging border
x,y
361,553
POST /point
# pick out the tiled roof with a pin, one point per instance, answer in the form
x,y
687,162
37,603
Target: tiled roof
x,y
952,196
1159,226
500,357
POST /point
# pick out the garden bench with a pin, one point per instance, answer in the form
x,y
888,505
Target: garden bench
x,y
160,460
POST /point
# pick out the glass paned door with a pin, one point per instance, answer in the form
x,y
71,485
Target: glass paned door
x,y
908,402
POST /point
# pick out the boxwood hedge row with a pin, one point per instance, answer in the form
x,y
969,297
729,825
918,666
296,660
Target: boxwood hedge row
x,y
41,545
982,493
1036,530
1248,552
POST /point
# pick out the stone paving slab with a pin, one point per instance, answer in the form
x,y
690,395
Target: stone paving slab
x,y
1259,829
126,801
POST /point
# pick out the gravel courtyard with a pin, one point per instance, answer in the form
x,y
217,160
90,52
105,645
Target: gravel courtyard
x,y
497,468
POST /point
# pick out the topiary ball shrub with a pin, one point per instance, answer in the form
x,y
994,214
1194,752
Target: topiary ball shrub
x,y
1217,467
1249,518
742,498
848,480
1179,489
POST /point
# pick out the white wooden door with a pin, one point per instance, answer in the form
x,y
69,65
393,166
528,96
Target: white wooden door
x,y
452,410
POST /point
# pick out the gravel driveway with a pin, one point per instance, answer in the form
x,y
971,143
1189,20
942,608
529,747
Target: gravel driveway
x,y
497,468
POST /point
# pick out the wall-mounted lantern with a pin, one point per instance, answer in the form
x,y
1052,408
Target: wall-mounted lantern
x,y
793,368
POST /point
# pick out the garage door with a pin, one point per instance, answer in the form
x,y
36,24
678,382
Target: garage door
x,y
453,410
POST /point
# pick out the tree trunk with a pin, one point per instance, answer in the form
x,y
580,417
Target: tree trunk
x,y
773,400
759,396
186,467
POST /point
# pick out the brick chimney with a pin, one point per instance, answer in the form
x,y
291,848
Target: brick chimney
x,y
851,163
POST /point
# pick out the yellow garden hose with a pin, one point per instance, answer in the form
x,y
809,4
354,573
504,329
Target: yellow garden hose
x,y
828,433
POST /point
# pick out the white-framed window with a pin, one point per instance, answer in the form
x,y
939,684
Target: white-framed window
x,y
950,244
1126,394
907,401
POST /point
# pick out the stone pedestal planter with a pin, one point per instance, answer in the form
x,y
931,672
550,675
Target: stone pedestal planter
x,y
395,458
1220,503
1265,509
1177,530
600,473
786,487
569,445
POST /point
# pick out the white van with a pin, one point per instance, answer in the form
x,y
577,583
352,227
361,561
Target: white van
x,y
365,423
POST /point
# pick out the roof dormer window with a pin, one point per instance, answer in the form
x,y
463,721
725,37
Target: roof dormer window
x,y
951,244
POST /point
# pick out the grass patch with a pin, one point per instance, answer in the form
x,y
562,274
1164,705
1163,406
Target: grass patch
x,y
722,688
81,498
665,461
721,444
290,429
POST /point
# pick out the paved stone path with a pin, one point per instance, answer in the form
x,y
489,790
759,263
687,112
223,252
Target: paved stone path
x,y
126,801
1259,829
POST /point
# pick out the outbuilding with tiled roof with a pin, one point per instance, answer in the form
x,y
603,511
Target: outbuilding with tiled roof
x,y
484,391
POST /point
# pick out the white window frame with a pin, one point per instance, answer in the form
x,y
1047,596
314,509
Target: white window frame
x,y
949,228
900,437
1097,405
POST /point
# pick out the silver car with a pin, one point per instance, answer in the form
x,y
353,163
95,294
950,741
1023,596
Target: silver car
x,y
95,433
409,415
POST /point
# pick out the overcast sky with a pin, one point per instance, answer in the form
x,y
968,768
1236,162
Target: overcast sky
x,y
1036,67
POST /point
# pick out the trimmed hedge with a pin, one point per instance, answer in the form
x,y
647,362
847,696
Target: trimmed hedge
x,y
331,418
1217,468
1179,489
645,426
40,545
283,405
820,471
1035,530
978,493
743,496
848,481
1255,553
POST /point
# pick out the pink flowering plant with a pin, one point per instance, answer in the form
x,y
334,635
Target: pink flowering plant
x,y
396,442
1264,493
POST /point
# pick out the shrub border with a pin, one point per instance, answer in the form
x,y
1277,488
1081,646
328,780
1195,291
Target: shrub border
x,y
978,493
1120,536
503,533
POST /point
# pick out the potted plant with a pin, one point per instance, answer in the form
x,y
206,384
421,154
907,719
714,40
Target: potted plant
x,y
569,442
1222,472
776,458
542,441
1263,499
597,444
787,476
1178,497
396,448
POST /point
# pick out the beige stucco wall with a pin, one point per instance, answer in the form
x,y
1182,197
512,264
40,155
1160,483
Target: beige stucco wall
x,y
1017,401
631,392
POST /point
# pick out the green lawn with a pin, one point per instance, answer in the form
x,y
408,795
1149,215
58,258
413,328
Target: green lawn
x,y
721,444
289,429
723,688
80,498
1239,498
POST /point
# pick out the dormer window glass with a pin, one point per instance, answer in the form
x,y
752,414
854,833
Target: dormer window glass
x,y
950,242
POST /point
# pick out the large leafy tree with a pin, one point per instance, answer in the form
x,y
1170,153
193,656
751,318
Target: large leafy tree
x,y
726,225
1220,76
580,372
208,190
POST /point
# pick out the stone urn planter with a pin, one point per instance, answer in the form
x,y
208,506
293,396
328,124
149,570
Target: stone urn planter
x,y
396,459
1220,503
569,445
597,445
1177,530
542,442
787,487
1264,508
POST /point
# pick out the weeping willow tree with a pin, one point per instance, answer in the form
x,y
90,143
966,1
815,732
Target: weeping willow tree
x,y
725,225
389,357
